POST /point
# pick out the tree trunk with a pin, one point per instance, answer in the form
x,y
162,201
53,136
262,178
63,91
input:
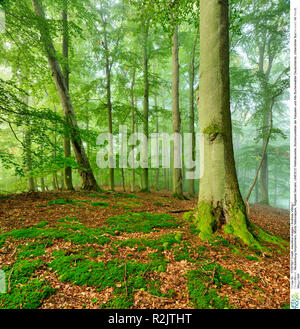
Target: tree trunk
x,y
85,171
192,109
264,182
157,150
109,111
145,171
28,155
68,184
132,129
220,202
43,188
31,186
177,171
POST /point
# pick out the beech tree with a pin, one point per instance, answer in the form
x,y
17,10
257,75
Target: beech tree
x,y
88,180
220,202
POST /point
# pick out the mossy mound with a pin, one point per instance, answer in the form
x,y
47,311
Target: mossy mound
x,y
141,222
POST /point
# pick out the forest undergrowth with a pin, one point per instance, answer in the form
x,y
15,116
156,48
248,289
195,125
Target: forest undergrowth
x,y
123,250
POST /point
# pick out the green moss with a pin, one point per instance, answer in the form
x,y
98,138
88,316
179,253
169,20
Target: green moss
x,y
265,236
162,243
103,204
76,233
126,195
188,216
42,224
25,292
185,252
27,296
118,302
32,250
246,277
60,202
213,131
249,257
239,226
193,229
141,222
78,269
201,295
205,221
200,284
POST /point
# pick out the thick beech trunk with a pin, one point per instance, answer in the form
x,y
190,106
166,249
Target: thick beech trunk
x,y
220,202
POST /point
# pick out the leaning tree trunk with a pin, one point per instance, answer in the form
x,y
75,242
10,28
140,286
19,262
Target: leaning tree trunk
x,y
67,143
145,171
177,171
88,179
220,202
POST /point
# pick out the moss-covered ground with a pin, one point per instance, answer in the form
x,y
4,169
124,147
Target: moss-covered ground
x,y
120,250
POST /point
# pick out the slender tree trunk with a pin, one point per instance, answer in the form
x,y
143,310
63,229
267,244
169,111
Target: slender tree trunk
x,y
132,129
157,150
109,111
263,159
256,193
68,184
145,171
43,188
192,109
220,202
55,181
177,156
264,182
28,155
85,171
264,167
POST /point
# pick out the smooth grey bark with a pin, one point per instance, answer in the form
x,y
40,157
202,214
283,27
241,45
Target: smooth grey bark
x,y
88,179
28,155
68,184
132,128
176,121
220,202
192,109
144,160
265,53
109,108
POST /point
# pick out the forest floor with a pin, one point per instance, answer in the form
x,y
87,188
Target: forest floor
x,y
117,250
